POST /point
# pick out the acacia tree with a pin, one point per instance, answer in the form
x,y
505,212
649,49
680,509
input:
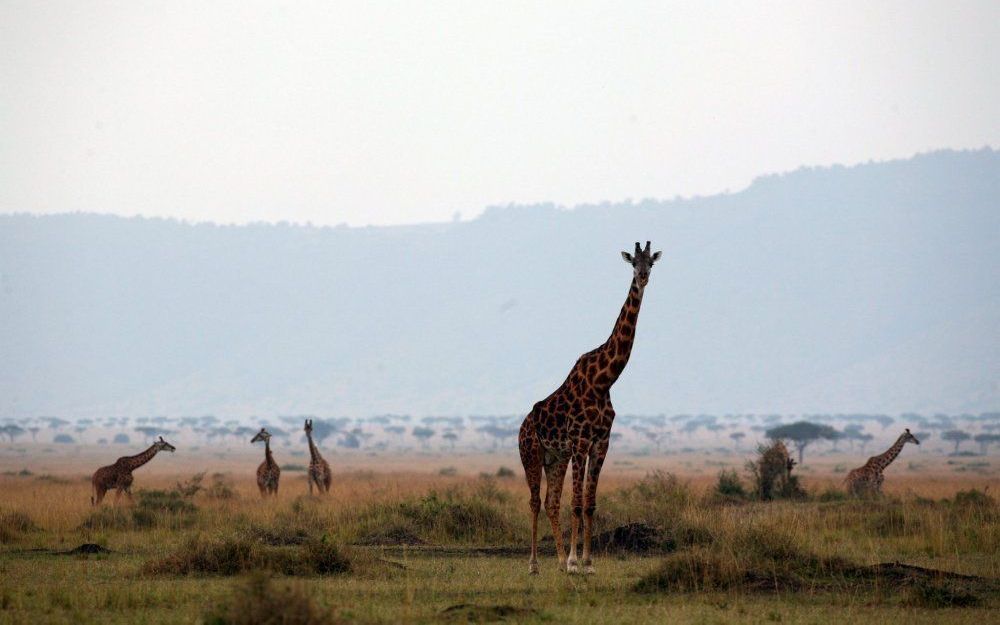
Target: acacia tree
x,y
985,440
802,433
956,436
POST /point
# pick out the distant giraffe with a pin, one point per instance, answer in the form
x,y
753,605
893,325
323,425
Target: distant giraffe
x,y
574,423
868,478
119,474
268,471
319,469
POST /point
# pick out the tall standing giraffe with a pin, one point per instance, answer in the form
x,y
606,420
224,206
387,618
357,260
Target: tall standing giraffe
x,y
574,423
869,478
119,474
268,471
319,469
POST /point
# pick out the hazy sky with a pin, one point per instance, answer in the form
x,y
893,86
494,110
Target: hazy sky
x,y
407,112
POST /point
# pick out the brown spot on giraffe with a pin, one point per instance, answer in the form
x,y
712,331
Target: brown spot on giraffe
x,y
552,436
867,479
268,472
319,469
118,476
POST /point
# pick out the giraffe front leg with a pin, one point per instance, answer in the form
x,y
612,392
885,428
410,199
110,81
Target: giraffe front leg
x,y
579,474
596,460
555,474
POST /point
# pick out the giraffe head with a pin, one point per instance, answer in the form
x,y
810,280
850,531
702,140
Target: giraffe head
x,y
263,435
309,426
162,445
642,262
909,438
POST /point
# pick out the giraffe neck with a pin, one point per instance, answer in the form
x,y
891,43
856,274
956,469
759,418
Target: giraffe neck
x,y
132,463
313,452
618,347
268,458
883,460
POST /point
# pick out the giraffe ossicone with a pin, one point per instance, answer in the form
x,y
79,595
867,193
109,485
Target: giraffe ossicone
x,y
573,425
868,479
268,473
319,469
118,476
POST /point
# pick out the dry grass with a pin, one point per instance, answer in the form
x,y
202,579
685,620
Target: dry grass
x,y
181,547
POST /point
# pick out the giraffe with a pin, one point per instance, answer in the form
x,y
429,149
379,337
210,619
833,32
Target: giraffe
x,y
319,469
119,474
868,478
574,424
268,471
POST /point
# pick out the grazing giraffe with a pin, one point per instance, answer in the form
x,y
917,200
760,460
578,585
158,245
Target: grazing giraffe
x,y
868,478
574,423
119,474
268,471
319,469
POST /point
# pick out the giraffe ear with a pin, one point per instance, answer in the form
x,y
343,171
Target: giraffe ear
x,y
655,257
627,257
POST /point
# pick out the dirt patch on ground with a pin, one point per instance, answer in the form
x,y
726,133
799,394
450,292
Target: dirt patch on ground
x,y
637,538
472,613
631,538
396,537
85,549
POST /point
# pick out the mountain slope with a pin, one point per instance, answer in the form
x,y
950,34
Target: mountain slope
x,y
822,289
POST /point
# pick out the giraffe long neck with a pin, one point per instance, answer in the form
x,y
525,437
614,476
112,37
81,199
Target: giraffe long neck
x,y
618,347
883,460
268,458
313,452
134,462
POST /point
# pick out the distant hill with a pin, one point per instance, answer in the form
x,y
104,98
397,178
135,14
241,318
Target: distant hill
x,y
874,287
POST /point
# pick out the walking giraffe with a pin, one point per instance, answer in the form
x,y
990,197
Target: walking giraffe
x,y
119,474
574,423
319,469
868,479
268,471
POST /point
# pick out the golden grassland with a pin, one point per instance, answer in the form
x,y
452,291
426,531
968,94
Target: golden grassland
x,y
185,558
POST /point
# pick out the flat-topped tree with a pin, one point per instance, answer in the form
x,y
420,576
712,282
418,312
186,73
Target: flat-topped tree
x,y
802,433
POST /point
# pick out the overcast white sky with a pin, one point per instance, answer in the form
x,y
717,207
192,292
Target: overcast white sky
x,y
407,112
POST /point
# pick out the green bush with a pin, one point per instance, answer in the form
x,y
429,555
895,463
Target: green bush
x,y
260,601
13,523
729,485
239,554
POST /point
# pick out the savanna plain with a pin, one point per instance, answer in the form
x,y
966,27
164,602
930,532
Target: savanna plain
x,y
436,537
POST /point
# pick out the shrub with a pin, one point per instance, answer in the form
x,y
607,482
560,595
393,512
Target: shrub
x,y
753,559
973,498
13,523
239,554
155,508
771,474
448,472
260,601
294,468
505,473
924,593
730,486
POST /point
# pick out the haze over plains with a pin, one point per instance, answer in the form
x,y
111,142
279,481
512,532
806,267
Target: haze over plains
x,y
505,154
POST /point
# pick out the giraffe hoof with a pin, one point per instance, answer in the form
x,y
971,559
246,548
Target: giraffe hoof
x,y
572,568
589,570
532,568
